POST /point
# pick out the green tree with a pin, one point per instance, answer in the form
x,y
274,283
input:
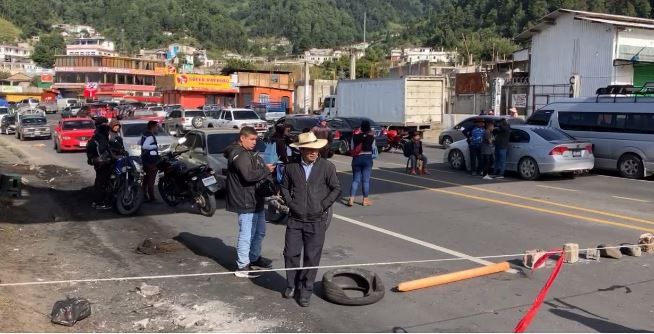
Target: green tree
x,y
238,64
4,75
45,50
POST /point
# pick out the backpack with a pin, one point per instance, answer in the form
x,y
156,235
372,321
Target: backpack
x,y
477,136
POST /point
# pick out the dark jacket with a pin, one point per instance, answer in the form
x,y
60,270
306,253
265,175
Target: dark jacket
x,y
367,140
409,148
282,142
98,146
502,134
309,200
244,170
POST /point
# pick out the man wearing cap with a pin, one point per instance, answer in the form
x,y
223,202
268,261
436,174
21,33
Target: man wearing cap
x,y
322,131
99,156
310,188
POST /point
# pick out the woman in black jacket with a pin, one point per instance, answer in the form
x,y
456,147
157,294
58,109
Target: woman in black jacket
x,y
363,145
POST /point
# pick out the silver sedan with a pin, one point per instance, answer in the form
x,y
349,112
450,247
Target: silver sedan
x,y
533,150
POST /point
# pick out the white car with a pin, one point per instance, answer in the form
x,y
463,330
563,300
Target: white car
x,y
533,150
236,119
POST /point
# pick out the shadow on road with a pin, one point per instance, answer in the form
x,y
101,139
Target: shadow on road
x,y
225,256
596,324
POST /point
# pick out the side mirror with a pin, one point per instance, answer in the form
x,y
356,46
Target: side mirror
x,y
181,141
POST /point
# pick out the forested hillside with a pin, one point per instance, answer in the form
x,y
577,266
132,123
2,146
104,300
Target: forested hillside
x,y
228,24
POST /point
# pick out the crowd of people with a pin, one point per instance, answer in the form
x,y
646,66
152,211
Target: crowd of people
x,y
488,147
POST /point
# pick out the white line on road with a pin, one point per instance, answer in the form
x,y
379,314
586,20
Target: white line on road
x,y
557,188
417,242
631,199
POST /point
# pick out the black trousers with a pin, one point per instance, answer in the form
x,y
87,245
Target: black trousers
x,y
102,177
307,238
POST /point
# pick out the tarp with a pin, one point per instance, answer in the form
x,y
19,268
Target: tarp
x,y
3,103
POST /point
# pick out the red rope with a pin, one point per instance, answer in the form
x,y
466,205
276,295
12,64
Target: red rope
x,y
524,323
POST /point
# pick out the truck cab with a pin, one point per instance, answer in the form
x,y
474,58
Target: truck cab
x,y
329,106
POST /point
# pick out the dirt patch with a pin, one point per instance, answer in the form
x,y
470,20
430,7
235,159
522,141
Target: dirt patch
x,y
151,247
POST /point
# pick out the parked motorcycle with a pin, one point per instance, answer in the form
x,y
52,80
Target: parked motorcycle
x,y
126,185
395,141
179,183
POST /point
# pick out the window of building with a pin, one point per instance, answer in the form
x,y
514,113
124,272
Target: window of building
x,y
264,98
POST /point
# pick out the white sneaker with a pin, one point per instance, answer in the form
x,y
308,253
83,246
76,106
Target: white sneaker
x,y
245,272
488,177
499,177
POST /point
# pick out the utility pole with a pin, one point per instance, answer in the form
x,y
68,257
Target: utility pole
x,y
306,82
365,16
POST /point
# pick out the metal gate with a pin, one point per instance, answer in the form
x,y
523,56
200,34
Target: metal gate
x,y
541,95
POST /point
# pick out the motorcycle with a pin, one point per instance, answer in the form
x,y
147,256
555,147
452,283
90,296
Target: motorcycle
x,y
126,185
395,141
179,183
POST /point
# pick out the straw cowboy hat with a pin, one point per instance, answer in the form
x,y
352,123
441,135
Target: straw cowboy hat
x,y
309,140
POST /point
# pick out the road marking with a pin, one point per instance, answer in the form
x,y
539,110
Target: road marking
x,y
603,213
521,206
621,178
631,199
557,188
417,241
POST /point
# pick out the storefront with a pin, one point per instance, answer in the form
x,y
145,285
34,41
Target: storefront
x,y
195,90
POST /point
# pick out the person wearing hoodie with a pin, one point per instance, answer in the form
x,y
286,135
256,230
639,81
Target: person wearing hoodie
x,y
99,155
115,140
245,171
322,131
502,134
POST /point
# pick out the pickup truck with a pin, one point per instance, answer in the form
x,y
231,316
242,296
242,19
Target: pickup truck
x,y
236,119
32,126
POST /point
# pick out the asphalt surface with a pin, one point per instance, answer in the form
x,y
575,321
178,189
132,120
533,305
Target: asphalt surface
x,y
447,215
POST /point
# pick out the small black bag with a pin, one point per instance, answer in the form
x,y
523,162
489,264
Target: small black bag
x,y
69,311
265,188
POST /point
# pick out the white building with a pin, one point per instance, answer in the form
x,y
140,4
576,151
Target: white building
x,y
595,49
92,46
15,59
75,30
414,55
319,56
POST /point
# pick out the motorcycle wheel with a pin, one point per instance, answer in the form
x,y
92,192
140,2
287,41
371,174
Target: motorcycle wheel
x,y
129,199
206,203
167,193
387,147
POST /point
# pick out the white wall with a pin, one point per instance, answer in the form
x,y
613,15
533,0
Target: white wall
x,y
572,46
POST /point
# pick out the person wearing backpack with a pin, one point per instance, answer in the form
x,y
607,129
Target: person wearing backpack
x,y
474,145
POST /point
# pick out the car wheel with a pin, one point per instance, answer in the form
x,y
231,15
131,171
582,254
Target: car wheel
x,y
528,169
447,141
58,147
631,166
456,160
344,147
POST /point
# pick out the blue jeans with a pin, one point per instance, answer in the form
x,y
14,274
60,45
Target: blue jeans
x,y
413,161
361,171
500,161
252,230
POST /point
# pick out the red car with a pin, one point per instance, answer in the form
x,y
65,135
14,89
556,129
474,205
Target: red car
x,y
147,115
72,134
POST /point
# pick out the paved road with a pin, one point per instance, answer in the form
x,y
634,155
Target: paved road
x,y
452,215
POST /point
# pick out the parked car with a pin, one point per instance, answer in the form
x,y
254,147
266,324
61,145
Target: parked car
x,y
147,115
168,108
71,111
343,128
4,111
180,121
49,107
30,102
65,102
206,146
237,119
32,126
298,123
158,110
8,124
534,150
210,107
455,133
73,134
131,131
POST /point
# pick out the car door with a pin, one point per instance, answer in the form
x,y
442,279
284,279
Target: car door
x,y
518,148
228,119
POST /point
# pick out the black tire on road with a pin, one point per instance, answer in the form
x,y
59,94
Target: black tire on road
x,y
631,166
387,148
208,205
337,282
528,169
456,160
166,193
344,147
57,147
129,203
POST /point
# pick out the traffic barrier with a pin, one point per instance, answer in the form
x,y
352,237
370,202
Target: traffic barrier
x,y
646,242
570,253
452,277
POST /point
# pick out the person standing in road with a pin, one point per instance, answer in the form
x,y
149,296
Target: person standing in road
x,y
245,171
487,149
149,158
310,188
502,134
99,155
115,140
363,145
413,151
322,131
475,138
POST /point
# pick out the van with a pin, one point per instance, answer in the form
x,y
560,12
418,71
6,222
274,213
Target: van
x,y
621,129
65,102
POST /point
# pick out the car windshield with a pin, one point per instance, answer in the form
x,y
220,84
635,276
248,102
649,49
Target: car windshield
x,y
78,125
4,111
245,114
34,120
218,142
540,117
137,130
193,113
552,134
356,122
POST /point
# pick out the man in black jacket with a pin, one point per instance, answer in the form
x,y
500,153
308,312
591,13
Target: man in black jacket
x,y
502,134
310,189
99,156
245,171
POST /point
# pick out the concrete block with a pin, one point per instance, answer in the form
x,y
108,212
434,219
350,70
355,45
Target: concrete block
x,y
593,254
646,242
609,251
631,250
570,253
531,257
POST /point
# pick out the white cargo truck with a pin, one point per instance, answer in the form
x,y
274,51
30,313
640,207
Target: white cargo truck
x,y
409,102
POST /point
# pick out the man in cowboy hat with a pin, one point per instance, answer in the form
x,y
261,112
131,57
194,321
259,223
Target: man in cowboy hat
x,y
310,189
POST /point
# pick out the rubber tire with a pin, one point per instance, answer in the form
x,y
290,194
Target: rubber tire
x,y
162,192
197,122
343,148
365,281
210,208
445,141
463,160
57,147
536,174
387,148
140,197
640,173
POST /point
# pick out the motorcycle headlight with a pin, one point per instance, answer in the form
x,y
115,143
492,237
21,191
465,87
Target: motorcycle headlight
x,y
135,150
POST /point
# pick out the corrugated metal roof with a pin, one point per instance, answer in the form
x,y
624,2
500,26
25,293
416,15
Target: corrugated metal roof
x,y
618,20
